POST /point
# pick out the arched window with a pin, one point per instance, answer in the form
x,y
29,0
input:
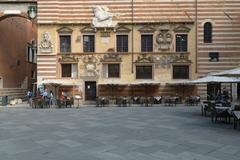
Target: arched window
x,y
207,32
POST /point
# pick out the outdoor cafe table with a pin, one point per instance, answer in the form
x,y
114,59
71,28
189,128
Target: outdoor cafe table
x,y
236,115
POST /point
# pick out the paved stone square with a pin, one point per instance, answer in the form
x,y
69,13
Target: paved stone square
x,y
133,133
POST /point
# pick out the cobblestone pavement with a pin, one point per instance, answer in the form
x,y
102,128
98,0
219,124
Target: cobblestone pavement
x,y
133,133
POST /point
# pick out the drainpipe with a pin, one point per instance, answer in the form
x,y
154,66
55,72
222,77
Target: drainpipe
x,y
196,35
132,36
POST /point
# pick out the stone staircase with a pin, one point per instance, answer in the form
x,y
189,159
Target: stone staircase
x,y
13,93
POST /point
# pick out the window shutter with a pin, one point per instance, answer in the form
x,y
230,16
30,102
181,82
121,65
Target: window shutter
x,y
104,71
30,55
74,71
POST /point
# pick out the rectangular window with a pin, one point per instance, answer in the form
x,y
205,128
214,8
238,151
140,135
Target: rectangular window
x,y
35,55
1,82
113,70
213,56
122,43
144,72
69,70
31,54
88,43
181,72
74,71
65,43
147,43
181,43
33,74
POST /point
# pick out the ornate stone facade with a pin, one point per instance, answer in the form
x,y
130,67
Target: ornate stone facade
x,y
164,40
90,67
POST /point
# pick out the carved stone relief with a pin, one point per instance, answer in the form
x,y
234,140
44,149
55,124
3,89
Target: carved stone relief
x,y
46,45
143,58
68,58
164,40
90,64
111,58
165,61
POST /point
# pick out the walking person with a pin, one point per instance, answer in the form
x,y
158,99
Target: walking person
x,y
29,97
46,98
52,99
225,94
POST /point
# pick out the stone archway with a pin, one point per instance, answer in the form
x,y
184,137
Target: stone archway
x,y
24,15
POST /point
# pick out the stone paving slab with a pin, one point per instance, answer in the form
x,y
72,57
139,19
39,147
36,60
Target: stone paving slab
x,y
111,133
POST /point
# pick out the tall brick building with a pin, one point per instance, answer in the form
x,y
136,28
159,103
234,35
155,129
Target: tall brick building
x,y
86,45
18,47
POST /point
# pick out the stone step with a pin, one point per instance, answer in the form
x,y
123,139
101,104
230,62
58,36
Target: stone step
x,y
89,103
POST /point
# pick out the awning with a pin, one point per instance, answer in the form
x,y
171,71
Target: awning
x,y
145,82
216,79
113,82
119,82
61,82
229,73
180,82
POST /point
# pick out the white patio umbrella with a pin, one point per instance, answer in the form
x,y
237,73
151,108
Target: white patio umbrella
x,y
229,73
61,82
216,79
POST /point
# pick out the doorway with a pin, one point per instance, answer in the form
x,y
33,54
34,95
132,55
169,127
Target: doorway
x,y
212,90
238,91
90,91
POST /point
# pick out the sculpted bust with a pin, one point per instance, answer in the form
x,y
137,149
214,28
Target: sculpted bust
x,y
102,17
46,45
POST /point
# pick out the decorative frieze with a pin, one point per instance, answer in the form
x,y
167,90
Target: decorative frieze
x,y
68,59
143,58
111,58
165,61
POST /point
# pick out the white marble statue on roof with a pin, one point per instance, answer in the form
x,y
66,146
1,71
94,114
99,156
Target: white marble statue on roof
x,y
102,17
